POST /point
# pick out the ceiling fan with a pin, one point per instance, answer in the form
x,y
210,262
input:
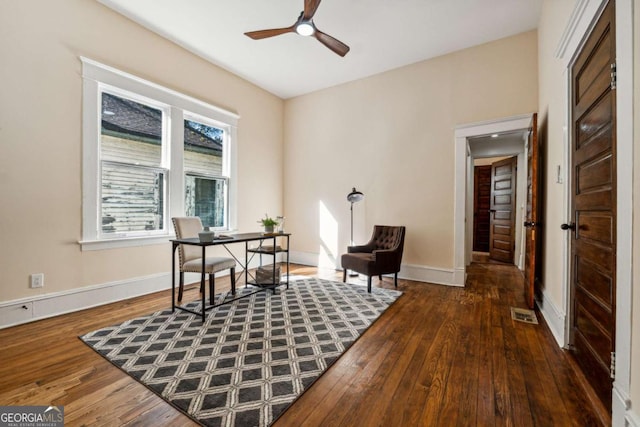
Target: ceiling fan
x,y
305,27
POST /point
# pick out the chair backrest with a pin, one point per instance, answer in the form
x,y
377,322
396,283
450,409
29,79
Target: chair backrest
x,y
389,238
188,227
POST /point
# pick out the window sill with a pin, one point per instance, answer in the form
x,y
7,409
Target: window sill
x,y
124,242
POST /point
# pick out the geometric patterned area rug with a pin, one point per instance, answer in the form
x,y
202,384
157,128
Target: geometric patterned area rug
x,y
252,358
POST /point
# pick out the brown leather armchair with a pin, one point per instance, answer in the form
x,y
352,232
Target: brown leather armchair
x,y
382,255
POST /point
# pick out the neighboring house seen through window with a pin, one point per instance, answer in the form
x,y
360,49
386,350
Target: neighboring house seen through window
x,y
149,154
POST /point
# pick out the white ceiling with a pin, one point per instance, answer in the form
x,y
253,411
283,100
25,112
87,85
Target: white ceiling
x,y
382,34
504,144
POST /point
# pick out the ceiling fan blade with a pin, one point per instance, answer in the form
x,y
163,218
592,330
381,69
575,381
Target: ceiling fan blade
x,y
263,34
310,7
332,43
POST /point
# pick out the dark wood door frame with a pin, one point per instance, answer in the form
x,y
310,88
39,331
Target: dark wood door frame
x,y
533,216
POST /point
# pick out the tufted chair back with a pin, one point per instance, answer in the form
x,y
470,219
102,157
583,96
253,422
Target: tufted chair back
x,y
387,237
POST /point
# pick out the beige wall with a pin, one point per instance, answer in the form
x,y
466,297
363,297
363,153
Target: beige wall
x,y
40,138
392,136
551,120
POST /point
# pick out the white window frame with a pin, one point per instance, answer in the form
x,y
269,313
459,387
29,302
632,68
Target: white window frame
x,y
96,77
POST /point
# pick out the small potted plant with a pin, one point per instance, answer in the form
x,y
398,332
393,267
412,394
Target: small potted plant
x,y
268,223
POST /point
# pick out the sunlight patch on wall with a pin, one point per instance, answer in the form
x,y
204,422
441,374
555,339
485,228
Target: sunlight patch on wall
x,y
328,233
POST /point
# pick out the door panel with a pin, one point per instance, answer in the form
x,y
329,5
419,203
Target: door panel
x,y
481,206
502,217
593,243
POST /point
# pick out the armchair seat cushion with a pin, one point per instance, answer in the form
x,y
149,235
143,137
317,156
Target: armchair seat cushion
x,y
364,263
211,265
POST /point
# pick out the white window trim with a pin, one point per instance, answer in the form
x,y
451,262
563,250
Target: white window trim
x,y
94,75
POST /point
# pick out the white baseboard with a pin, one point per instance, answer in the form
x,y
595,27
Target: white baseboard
x,y
25,310
632,419
437,275
554,317
305,258
621,414
419,273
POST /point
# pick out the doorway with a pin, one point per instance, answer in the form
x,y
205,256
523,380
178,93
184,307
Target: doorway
x,y
468,138
496,197
494,209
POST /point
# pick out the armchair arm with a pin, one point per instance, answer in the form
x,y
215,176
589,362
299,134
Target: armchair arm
x,y
387,259
361,248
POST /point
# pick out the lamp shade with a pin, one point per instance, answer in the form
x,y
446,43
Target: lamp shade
x,y
355,196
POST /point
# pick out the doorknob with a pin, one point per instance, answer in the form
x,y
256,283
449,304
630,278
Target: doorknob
x,y
529,224
569,226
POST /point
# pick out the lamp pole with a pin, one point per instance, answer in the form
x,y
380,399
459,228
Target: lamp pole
x,y
354,197
351,244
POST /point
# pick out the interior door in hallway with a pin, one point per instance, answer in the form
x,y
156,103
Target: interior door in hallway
x,y
533,215
593,206
502,210
481,206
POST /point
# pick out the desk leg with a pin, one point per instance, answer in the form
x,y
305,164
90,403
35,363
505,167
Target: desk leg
x,y
287,262
173,278
275,254
246,264
202,286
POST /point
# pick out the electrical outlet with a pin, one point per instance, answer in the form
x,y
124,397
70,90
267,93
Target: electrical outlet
x,y
37,280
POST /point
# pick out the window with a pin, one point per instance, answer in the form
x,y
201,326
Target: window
x,y
149,154
205,180
132,176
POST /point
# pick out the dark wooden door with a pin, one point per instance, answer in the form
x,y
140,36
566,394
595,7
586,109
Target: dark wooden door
x,y
502,210
533,218
593,246
481,206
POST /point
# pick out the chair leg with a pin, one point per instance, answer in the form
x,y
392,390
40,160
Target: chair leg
x,y
395,279
233,280
181,287
344,275
212,287
369,284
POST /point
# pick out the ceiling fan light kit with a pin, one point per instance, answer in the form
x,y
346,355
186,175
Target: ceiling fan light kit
x,y
305,29
304,26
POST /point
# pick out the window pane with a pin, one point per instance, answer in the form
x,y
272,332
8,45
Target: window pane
x,y
131,132
132,198
203,148
205,197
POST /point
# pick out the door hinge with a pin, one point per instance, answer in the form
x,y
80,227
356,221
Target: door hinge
x,y
614,76
612,368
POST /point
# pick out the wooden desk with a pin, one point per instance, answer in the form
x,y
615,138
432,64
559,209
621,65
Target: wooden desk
x,y
262,249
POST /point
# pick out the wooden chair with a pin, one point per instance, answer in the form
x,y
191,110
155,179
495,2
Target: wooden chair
x,y
382,255
190,257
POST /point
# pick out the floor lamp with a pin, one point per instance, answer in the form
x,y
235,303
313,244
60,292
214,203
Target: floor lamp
x,y
354,197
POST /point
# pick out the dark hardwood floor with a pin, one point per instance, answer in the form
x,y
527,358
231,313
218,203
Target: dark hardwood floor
x,y
439,356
